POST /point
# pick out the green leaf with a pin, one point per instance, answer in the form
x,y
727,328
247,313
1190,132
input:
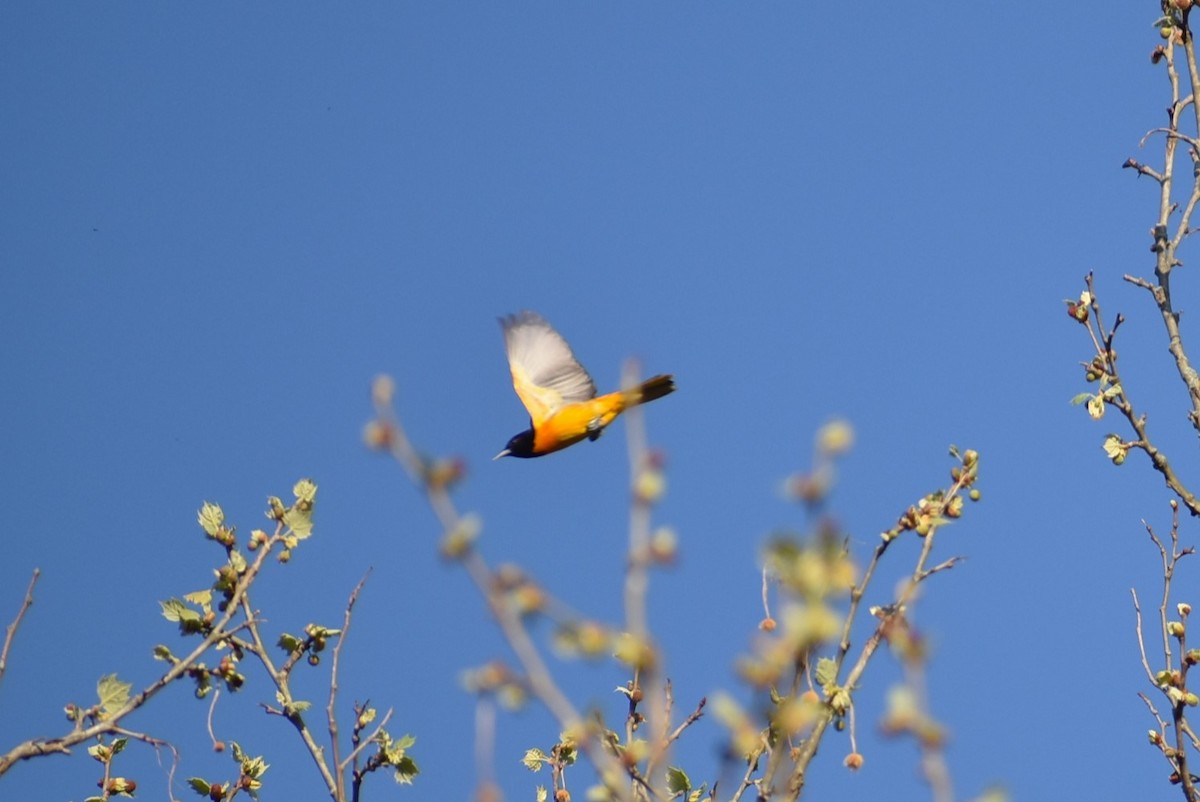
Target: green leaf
x,y
677,781
300,707
299,522
534,759
173,609
199,786
119,745
406,770
189,620
826,671
95,799
201,598
211,517
113,694
1113,446
298,517
289,643
1079,399
237,561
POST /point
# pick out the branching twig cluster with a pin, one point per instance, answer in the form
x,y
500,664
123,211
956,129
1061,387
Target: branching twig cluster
x,y
228,626
1172,226
1178,198
1172,678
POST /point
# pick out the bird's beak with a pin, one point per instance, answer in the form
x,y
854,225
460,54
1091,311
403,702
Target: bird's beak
x,y
503,453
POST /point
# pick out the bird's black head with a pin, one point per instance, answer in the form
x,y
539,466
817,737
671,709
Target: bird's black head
x,y
519,445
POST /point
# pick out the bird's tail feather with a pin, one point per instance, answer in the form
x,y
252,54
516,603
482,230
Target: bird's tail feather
x,y
651,389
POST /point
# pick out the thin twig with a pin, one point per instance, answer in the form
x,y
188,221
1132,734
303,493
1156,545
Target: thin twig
x,y
11,631
330,710
1162,725
370,739
747,781
1137,611
158,745
942,566
692,718
1170,132
212,709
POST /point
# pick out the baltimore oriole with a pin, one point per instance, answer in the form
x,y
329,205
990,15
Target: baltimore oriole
x,y
558,393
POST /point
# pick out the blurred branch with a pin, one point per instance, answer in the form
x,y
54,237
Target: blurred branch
x,y
925,519
646,488
387,433
809,574
637,573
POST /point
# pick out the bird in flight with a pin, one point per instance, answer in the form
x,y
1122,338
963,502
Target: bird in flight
x,y
558,393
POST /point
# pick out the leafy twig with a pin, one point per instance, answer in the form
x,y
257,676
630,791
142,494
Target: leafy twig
x,y
110,723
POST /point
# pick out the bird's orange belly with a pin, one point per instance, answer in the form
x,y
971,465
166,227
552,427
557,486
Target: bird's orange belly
x,y
576,421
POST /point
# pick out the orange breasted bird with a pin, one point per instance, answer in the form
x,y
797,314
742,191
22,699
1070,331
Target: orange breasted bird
x,y
558,393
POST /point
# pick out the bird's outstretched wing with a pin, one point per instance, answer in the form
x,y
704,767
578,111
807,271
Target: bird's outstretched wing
x,y
545,373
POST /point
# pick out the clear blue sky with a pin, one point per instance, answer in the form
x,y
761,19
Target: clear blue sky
x,y
219,222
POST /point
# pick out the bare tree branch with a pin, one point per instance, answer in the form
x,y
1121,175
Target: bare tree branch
x,y
11,631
